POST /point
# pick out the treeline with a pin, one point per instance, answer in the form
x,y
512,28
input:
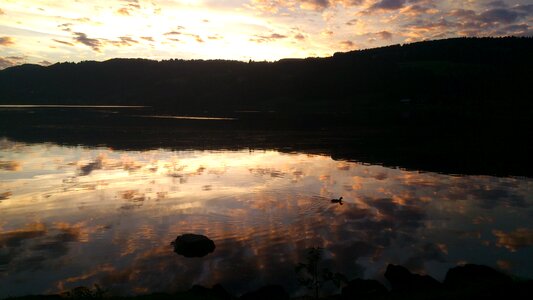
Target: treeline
x,y
462,73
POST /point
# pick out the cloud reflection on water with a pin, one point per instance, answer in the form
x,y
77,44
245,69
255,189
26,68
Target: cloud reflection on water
x,y
79,216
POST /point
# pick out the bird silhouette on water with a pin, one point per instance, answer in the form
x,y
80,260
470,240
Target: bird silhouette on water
x,y
337,200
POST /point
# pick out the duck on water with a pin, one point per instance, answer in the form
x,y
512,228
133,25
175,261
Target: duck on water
x,y
337,200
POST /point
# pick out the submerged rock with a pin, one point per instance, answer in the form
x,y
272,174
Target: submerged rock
x,y
402,280
364,289
193,245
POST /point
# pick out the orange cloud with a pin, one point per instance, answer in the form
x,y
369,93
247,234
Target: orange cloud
x,y
520,238
6,41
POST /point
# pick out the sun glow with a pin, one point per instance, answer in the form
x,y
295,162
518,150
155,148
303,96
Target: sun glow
x,y
49,31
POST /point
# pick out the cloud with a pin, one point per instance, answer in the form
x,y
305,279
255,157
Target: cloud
x,y
123,11
500,15
128,7
388,4
277,6
147,38
2,12
384,35
347,44
5,195
6,41
299,37
497,3
65,27
11,165
268,38
514,240
132,3
6,62
316,5
82,38
172,33
63,42
352,22
124,41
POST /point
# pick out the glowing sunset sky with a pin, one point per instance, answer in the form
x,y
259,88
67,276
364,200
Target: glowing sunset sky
x,y
39,31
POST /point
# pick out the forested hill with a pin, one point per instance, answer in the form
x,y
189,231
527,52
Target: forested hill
x,y
462,72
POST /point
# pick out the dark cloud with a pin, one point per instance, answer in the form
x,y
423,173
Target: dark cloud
x,y
352,22
528,8
132,3
347,44
124,41
172,33
2,12
63,42
82,38
299,37
497,3
268,38
65,27
147,38
90,167
45,63
388,4
315,4
384,35
277,6
6,41
5,195
11,165
500,15
498,20
6,63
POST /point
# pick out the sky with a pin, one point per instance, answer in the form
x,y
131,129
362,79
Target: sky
x,y
45,32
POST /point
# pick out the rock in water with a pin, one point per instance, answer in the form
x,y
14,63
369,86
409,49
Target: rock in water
x,y
193,245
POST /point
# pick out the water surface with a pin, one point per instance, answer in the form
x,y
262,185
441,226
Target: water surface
x,y
75,216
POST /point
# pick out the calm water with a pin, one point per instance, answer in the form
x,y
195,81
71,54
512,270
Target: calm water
x,y
74,216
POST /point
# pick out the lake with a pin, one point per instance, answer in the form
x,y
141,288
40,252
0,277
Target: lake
x,y
79,215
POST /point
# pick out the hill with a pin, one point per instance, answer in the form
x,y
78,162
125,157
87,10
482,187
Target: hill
x,y
465,73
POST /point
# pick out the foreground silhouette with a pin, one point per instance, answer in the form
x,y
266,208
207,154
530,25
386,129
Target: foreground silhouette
x,y
462,282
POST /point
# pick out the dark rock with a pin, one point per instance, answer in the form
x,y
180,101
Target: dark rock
x,y
217,292
193,245
364,289
220,291
402,280
269,292
475,276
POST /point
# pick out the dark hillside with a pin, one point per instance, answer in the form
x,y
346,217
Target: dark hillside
x,y
469,73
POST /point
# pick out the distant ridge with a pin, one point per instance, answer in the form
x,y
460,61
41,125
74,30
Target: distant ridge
x,y
459,71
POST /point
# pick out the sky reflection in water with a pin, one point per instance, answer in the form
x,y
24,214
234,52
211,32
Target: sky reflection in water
x,y
75,216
